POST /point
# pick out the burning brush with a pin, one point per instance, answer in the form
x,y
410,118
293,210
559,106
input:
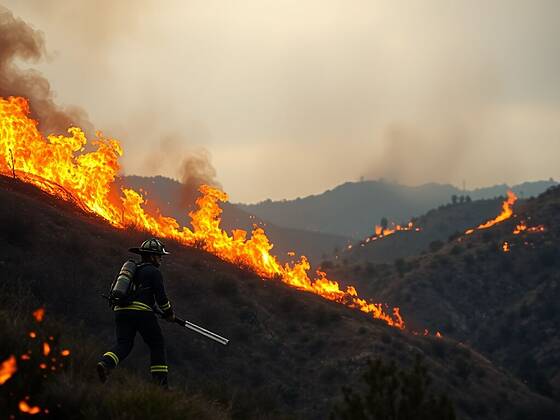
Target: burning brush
x,y
59,166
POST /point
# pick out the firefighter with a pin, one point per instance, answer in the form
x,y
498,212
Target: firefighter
x,y
139,316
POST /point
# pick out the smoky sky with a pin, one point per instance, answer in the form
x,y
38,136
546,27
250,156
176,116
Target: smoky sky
x,y
290,98
19,41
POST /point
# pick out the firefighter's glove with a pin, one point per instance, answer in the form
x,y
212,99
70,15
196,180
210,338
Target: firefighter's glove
x,y
169,316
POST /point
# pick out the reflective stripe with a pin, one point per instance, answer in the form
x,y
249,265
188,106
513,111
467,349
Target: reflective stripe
x,y
135,306
165,306
132,308
112,356
158,368
135,302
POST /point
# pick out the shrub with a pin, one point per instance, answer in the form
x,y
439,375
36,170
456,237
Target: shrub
x,y
393,393
456,250
436,246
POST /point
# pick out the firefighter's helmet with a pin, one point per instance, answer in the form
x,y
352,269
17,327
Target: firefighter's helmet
x,y
150,246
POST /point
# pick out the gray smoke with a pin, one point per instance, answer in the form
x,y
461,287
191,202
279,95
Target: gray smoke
x,y
196,170
19,41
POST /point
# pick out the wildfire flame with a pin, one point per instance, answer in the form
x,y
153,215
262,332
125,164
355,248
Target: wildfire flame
x,y
7,369
380,232
60,166
506,247
507,212
522,227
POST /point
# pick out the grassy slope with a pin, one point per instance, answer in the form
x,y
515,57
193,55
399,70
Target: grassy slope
x,y
503,304
291,351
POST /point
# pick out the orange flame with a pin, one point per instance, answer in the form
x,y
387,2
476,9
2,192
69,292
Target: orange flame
x,y
522,227
39,314
7,369
507,212
25,408
60,166
506,247
380,232
46,349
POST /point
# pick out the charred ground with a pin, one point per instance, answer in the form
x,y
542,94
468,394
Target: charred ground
x,y
290,353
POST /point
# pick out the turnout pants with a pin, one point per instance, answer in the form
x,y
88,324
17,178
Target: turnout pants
x,y
128,322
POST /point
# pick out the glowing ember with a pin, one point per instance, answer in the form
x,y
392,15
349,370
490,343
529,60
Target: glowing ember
x,y
507,212
59,166
505,247
25,408
46,349
7,369
65,353
32,334
39,314
438,334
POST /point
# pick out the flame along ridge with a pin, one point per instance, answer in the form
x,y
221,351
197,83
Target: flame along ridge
x,y
60,166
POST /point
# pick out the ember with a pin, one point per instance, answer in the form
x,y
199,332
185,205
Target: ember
x,y
39,314
25,408
58,165
7,369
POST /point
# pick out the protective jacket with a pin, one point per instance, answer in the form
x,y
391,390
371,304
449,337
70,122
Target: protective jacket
x,y
139,317
149,290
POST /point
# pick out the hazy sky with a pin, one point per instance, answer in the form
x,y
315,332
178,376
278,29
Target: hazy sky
x,y
293,97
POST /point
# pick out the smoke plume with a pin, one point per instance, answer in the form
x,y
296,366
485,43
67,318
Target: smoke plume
x,y
196,170
19,41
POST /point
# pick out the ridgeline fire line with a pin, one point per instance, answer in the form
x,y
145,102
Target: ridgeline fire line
x,y
507,212
60,166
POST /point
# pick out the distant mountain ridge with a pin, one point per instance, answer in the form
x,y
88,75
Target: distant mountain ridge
x,y
436,226
353,208
497,289
168,195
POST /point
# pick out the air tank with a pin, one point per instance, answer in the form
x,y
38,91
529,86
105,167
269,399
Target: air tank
x,y
124,280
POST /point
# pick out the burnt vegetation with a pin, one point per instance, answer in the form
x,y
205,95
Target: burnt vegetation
x,y
501,302
291,353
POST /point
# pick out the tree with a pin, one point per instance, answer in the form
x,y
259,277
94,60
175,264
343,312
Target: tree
x,y
394,394
462,199
468,199
454,199
384,222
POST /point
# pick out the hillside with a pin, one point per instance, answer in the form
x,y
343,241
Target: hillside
x,y
353,209
290,353
171,199
500,299
435,226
